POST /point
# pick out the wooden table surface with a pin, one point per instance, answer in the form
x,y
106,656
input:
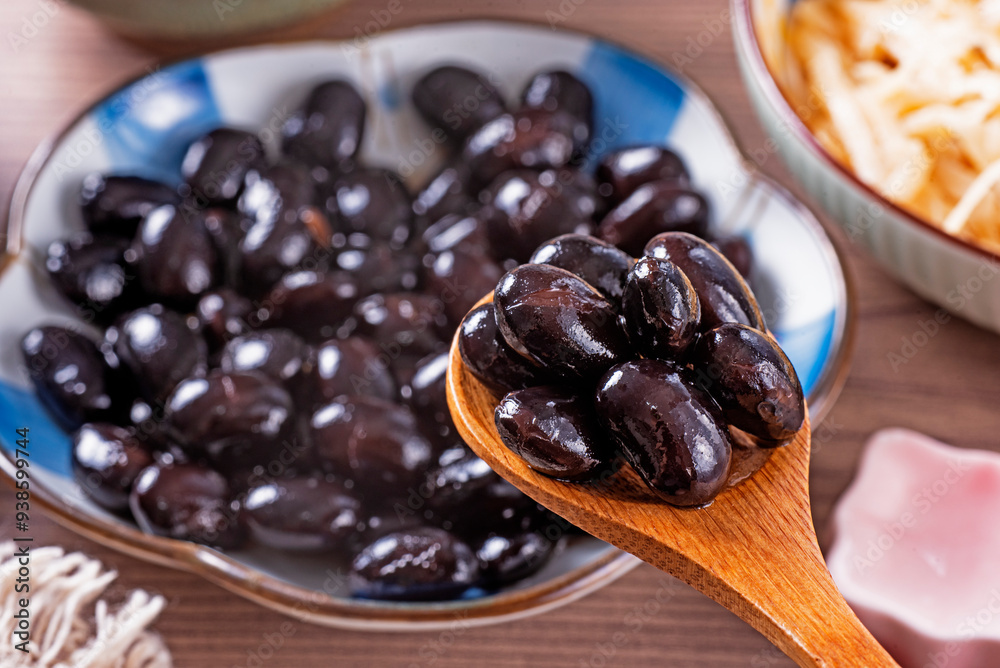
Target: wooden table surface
x,y
948,389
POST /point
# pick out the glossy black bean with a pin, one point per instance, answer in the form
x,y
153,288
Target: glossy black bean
x,y
328,128
373,202
463,494
374,443
600,264
93,273
661,309
422,564
307,513
117,204
654,208
159,346
272,191
106,461
174,256
457,101
454,230
446,193
621,172
73,380
554,431
225,227
314,305
276,353
558,90
223,315
555,319
460,277
351,366
527,208
506,559
216,164
146,423
285,232
498,507
722,292
377,266
459,479
753,380
187,502
426,392
529,138
381,522
403,323
737,250
235,420
672,433
487,355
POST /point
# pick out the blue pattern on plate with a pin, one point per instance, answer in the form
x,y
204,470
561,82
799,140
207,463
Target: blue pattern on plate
x,y
808,348
390,97
48,444
147,126
634,102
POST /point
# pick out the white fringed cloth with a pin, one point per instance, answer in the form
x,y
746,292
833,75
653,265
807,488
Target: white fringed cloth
x,y
70,626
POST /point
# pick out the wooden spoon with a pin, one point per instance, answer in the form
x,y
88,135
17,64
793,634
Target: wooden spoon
x,y
753,549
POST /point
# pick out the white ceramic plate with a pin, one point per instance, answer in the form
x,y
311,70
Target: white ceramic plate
x,y
143,128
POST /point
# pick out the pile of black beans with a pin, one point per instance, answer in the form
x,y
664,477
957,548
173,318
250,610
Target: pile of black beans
x,y
664,362
264,352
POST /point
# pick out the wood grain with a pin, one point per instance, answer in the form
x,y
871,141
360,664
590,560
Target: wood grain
x,y
753,549
947,389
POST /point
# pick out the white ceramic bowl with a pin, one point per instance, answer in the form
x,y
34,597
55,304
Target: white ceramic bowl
x,y
143,127
956,275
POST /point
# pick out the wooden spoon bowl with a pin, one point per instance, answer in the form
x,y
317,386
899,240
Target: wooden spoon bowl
x,y
753,550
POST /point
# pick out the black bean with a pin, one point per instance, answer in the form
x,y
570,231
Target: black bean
x,y
328,128
672,433
722,292
555,432
661,309
752,379
558,321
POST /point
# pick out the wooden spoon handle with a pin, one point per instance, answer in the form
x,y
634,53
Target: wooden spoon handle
x,y
787,594
757,555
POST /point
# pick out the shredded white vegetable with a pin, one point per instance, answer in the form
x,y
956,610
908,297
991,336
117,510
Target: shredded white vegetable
x,y
69,626
908,97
